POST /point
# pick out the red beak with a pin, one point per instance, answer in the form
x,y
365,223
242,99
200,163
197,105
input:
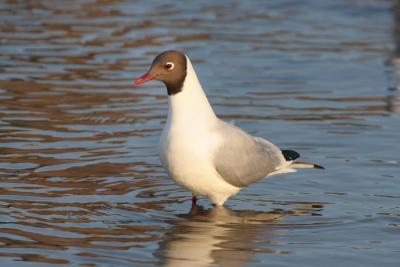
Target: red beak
x,y
142,79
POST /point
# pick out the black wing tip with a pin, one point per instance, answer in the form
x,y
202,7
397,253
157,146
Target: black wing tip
x,y
319,167
290,154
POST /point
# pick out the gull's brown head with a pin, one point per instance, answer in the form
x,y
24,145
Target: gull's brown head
x,y
169,67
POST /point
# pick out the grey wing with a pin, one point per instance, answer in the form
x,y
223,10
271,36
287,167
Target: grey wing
x,y
242,159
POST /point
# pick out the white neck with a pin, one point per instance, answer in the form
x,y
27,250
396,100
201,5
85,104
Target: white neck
x,y
190,107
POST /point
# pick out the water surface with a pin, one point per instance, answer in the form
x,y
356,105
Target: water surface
x,y
80,178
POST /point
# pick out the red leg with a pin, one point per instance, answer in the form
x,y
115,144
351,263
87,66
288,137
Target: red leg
x,y
194,199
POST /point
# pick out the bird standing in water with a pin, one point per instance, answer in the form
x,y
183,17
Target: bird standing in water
x,y
202,153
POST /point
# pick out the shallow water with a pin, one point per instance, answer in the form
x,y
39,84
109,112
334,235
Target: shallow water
x,y
80,178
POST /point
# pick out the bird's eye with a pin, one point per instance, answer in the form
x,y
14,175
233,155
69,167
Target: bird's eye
x,y
169,66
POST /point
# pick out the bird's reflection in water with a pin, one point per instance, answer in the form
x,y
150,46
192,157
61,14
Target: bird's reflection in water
x,y
221,236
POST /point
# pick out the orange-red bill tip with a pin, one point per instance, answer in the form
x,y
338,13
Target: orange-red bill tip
x,y
145,78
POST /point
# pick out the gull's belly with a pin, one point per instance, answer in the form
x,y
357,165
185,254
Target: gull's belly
x,y
190,164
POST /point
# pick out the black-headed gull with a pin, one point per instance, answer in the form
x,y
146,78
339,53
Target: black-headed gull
x,y
201,152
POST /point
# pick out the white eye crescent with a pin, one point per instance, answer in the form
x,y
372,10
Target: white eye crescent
x,y
169,66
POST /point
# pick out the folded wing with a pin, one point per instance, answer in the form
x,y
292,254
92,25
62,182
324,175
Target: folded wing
x,y
242,159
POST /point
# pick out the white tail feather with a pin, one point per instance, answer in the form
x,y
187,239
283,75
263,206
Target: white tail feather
x,y
296,165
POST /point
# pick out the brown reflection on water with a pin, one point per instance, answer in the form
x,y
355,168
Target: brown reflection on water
x,y
47,229
200,238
